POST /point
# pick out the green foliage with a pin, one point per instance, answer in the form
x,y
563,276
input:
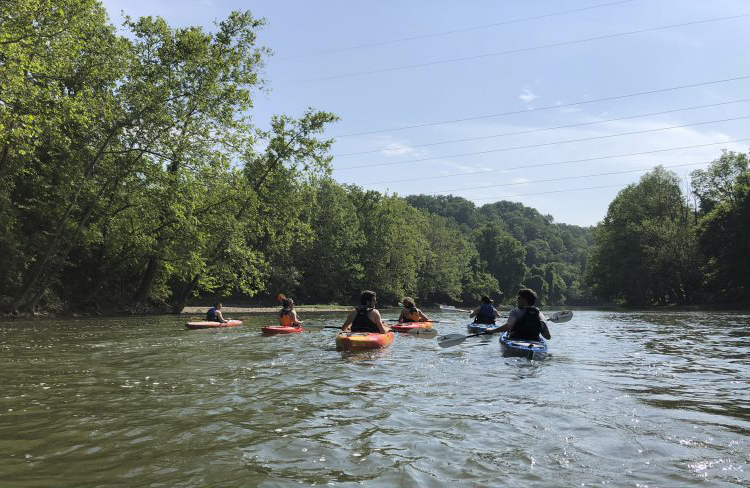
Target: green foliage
x,y
645,248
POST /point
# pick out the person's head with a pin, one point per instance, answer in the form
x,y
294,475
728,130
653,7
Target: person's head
x,y
217,305
368,298
409,302
526,297
486,300
287,303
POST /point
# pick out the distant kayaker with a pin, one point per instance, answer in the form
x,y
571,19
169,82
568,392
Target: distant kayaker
x,y
365,318
485,313
526,322
410,312
288,315
214,314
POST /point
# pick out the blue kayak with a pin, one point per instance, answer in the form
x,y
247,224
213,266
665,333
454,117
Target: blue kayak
x,y
475,328
516,348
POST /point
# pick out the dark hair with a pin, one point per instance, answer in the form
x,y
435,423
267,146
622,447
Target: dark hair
x,y
528,294
286,302
217,304
409,302
366,296
486,299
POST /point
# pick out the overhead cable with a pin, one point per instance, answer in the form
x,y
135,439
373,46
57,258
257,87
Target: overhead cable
x,y
514,51
371,165
544,129
546,107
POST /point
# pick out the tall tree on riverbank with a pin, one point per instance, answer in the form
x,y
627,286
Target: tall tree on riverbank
x,y
646,248
723,193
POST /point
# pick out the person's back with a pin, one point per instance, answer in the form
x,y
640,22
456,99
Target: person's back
x,y
362,321
485,313
528,324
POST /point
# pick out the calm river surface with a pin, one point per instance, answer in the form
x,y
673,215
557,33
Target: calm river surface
x,y
645,399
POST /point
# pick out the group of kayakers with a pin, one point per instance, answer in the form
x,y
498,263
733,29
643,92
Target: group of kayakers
x,y
525,322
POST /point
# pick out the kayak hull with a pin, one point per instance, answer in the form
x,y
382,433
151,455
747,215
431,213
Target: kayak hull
x,y
278,329
407,326
523,349
212,325
475,328
356,341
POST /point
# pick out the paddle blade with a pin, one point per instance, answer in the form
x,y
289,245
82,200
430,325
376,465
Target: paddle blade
x,y
450,340
560,317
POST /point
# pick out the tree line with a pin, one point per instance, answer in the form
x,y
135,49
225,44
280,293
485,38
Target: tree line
x,y
132,177
659,244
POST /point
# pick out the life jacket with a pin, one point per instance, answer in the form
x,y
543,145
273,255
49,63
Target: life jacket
x,y
362,322
211,315
486,314
528,327
412,315
285,317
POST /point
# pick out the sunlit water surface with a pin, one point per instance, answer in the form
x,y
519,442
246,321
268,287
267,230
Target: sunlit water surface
x,y
625,399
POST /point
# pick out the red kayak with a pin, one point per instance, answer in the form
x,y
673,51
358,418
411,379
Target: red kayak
x,y
212,325
407,326
278,329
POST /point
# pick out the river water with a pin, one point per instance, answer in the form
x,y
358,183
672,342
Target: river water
x,y
647,399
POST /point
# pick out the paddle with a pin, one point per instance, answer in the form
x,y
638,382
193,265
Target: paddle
x,y
451,340
417,332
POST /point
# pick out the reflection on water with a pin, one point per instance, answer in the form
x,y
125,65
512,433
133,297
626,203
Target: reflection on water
x,y
624,399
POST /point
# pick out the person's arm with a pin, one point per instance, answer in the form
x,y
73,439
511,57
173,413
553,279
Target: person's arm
x,y
377,320
422,317
348,322
497,314
474,312
507,325
545,331
220,316
295,319
400,317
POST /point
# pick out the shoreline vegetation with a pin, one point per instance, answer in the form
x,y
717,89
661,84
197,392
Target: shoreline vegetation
x,y
197,312
133,180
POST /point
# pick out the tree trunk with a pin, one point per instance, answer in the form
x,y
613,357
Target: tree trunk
x,y
144,289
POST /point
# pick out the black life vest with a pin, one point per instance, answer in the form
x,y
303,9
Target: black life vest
x,y
486,314
211,315
529,326
362,322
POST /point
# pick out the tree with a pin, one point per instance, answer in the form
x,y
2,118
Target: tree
x,y
645,248
503,254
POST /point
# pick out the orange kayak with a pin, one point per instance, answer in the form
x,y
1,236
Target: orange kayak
x,y
407,326
212,325
353,341
278,329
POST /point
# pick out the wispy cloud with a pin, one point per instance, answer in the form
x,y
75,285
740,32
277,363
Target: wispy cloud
x,y
527,95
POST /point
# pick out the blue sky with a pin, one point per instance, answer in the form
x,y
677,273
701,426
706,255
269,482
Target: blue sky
x,y
310,41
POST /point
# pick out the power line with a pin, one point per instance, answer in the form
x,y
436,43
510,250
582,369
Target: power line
x,y
514,51
541,145
395,148
453,31
563,178
557,163
547,107
546,192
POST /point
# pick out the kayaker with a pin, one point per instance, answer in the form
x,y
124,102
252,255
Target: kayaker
x,y
288,315
214,314
526,322
485,313
365,318
410,312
